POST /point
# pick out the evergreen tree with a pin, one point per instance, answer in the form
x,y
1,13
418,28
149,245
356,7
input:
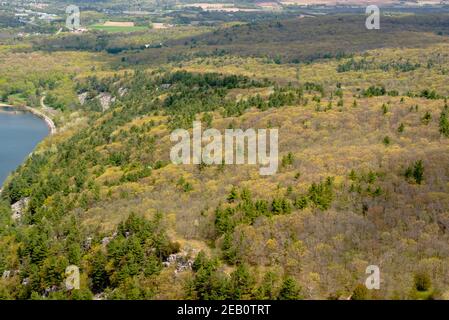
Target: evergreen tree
x,y
242,283
422,281
229,252
267,289
418,171
245,195
290,290
444,124
98,273
209,284
200,261
360,293
233,195
224,220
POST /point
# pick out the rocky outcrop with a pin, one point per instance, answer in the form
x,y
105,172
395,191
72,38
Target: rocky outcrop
x,y
87,243
82,97
18,208
182,260
105,100
105,241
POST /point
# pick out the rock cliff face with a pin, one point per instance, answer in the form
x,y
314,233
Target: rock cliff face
x,y
182,260
105,100
19,208
82,97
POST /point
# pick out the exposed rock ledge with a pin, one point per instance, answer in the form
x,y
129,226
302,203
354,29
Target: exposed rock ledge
x,y
18,208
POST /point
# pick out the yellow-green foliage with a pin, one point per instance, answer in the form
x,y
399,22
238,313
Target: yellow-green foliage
x,y
334,140
23,71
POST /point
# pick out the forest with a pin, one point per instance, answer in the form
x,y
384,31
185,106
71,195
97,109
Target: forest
x,y
362,180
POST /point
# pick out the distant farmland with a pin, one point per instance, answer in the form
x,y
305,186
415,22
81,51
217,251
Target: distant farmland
x,y
113,26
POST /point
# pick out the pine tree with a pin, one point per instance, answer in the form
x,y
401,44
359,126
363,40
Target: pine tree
x,y
444,124
266,290
276,206
422,281
242,282
290,290
418,171
200,261
229,252
245,195
209,284
233,195
288,159
360,293
98,274
223,220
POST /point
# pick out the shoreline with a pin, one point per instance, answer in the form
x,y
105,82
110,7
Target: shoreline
x,y
50,124
48,121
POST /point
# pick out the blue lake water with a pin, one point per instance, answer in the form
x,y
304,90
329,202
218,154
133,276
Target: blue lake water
x,y
20,132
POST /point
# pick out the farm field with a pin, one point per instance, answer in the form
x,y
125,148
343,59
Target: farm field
x,y
112,26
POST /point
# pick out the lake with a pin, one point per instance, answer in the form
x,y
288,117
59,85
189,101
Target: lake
x,y
20,132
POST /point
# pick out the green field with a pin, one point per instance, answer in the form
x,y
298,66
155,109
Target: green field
x,y
117,28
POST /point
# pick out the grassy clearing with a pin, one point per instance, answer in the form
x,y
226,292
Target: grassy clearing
x,y
102,27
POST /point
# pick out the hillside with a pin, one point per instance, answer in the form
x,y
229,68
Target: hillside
x,y
303,39
362,178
